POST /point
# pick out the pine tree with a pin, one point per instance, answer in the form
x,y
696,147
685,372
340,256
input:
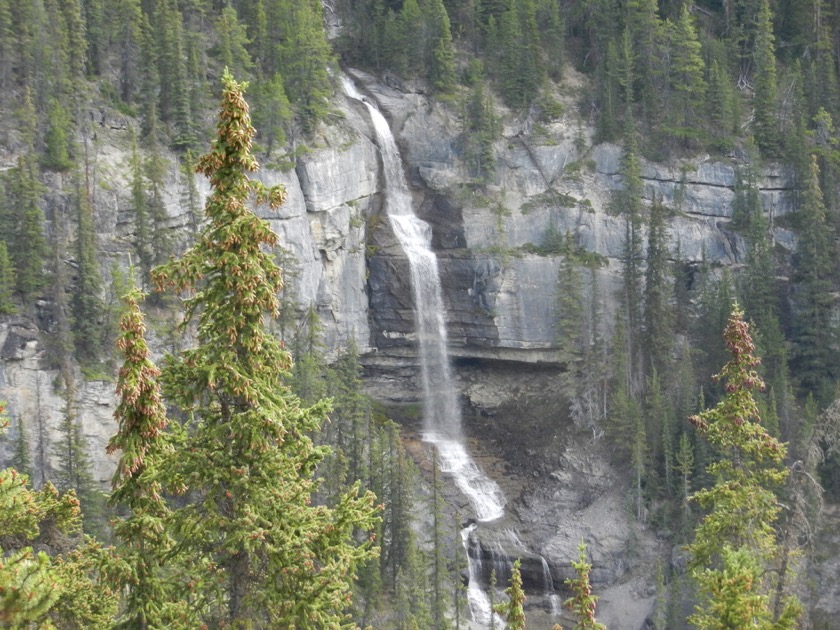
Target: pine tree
x,y
736,540
766,99
482,130
140,210
23,228
626,422
759,291
141,417
438,592
272,113
65,591
658,312
174,104
249,462
552,39
609,99
155,168
409,39
149,78
643,30
7,37
190,199
629,204
352,407
304,55
129,36
513,610
411,592
720,102
7,282
570,324
521,74
57,153
686,77
684,465
441,62
71,19
814,361
73,461
233,43
583,602
96,32
87,296
658,414
310,363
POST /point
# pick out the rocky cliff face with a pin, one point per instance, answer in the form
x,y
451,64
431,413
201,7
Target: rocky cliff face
x,y
501,301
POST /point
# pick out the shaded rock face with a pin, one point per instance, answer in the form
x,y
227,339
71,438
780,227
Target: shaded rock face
x,y
501,299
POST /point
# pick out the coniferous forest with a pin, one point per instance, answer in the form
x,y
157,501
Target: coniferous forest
x,y
257,484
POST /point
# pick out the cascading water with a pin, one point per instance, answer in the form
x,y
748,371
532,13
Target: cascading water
x,y
441,412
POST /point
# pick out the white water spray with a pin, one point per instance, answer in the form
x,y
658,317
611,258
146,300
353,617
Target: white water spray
x,y
441,412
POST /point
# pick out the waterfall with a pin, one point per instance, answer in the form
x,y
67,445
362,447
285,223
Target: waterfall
x,y
441,411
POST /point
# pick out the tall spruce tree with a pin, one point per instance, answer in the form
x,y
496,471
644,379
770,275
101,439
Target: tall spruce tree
x,y
249,526
686,77
583,602
303,57
629,204
658,313
814,360
766,118
441,52
7,282
141,417
735,545
74,466
513,610
87,301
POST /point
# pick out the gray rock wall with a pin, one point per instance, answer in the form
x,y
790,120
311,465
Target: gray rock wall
x,y
501,300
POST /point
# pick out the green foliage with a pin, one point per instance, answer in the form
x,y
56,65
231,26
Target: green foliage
x,y
166,38
520,72
233,42
583,602
439,599
513,610
766,108
57,151
22,223
687,83
141,417
64,589
482,129
658,313
73,462
441,50
249,530
814,362
628,203
721,107
303,56
736,539
86,303
272,112
7,282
